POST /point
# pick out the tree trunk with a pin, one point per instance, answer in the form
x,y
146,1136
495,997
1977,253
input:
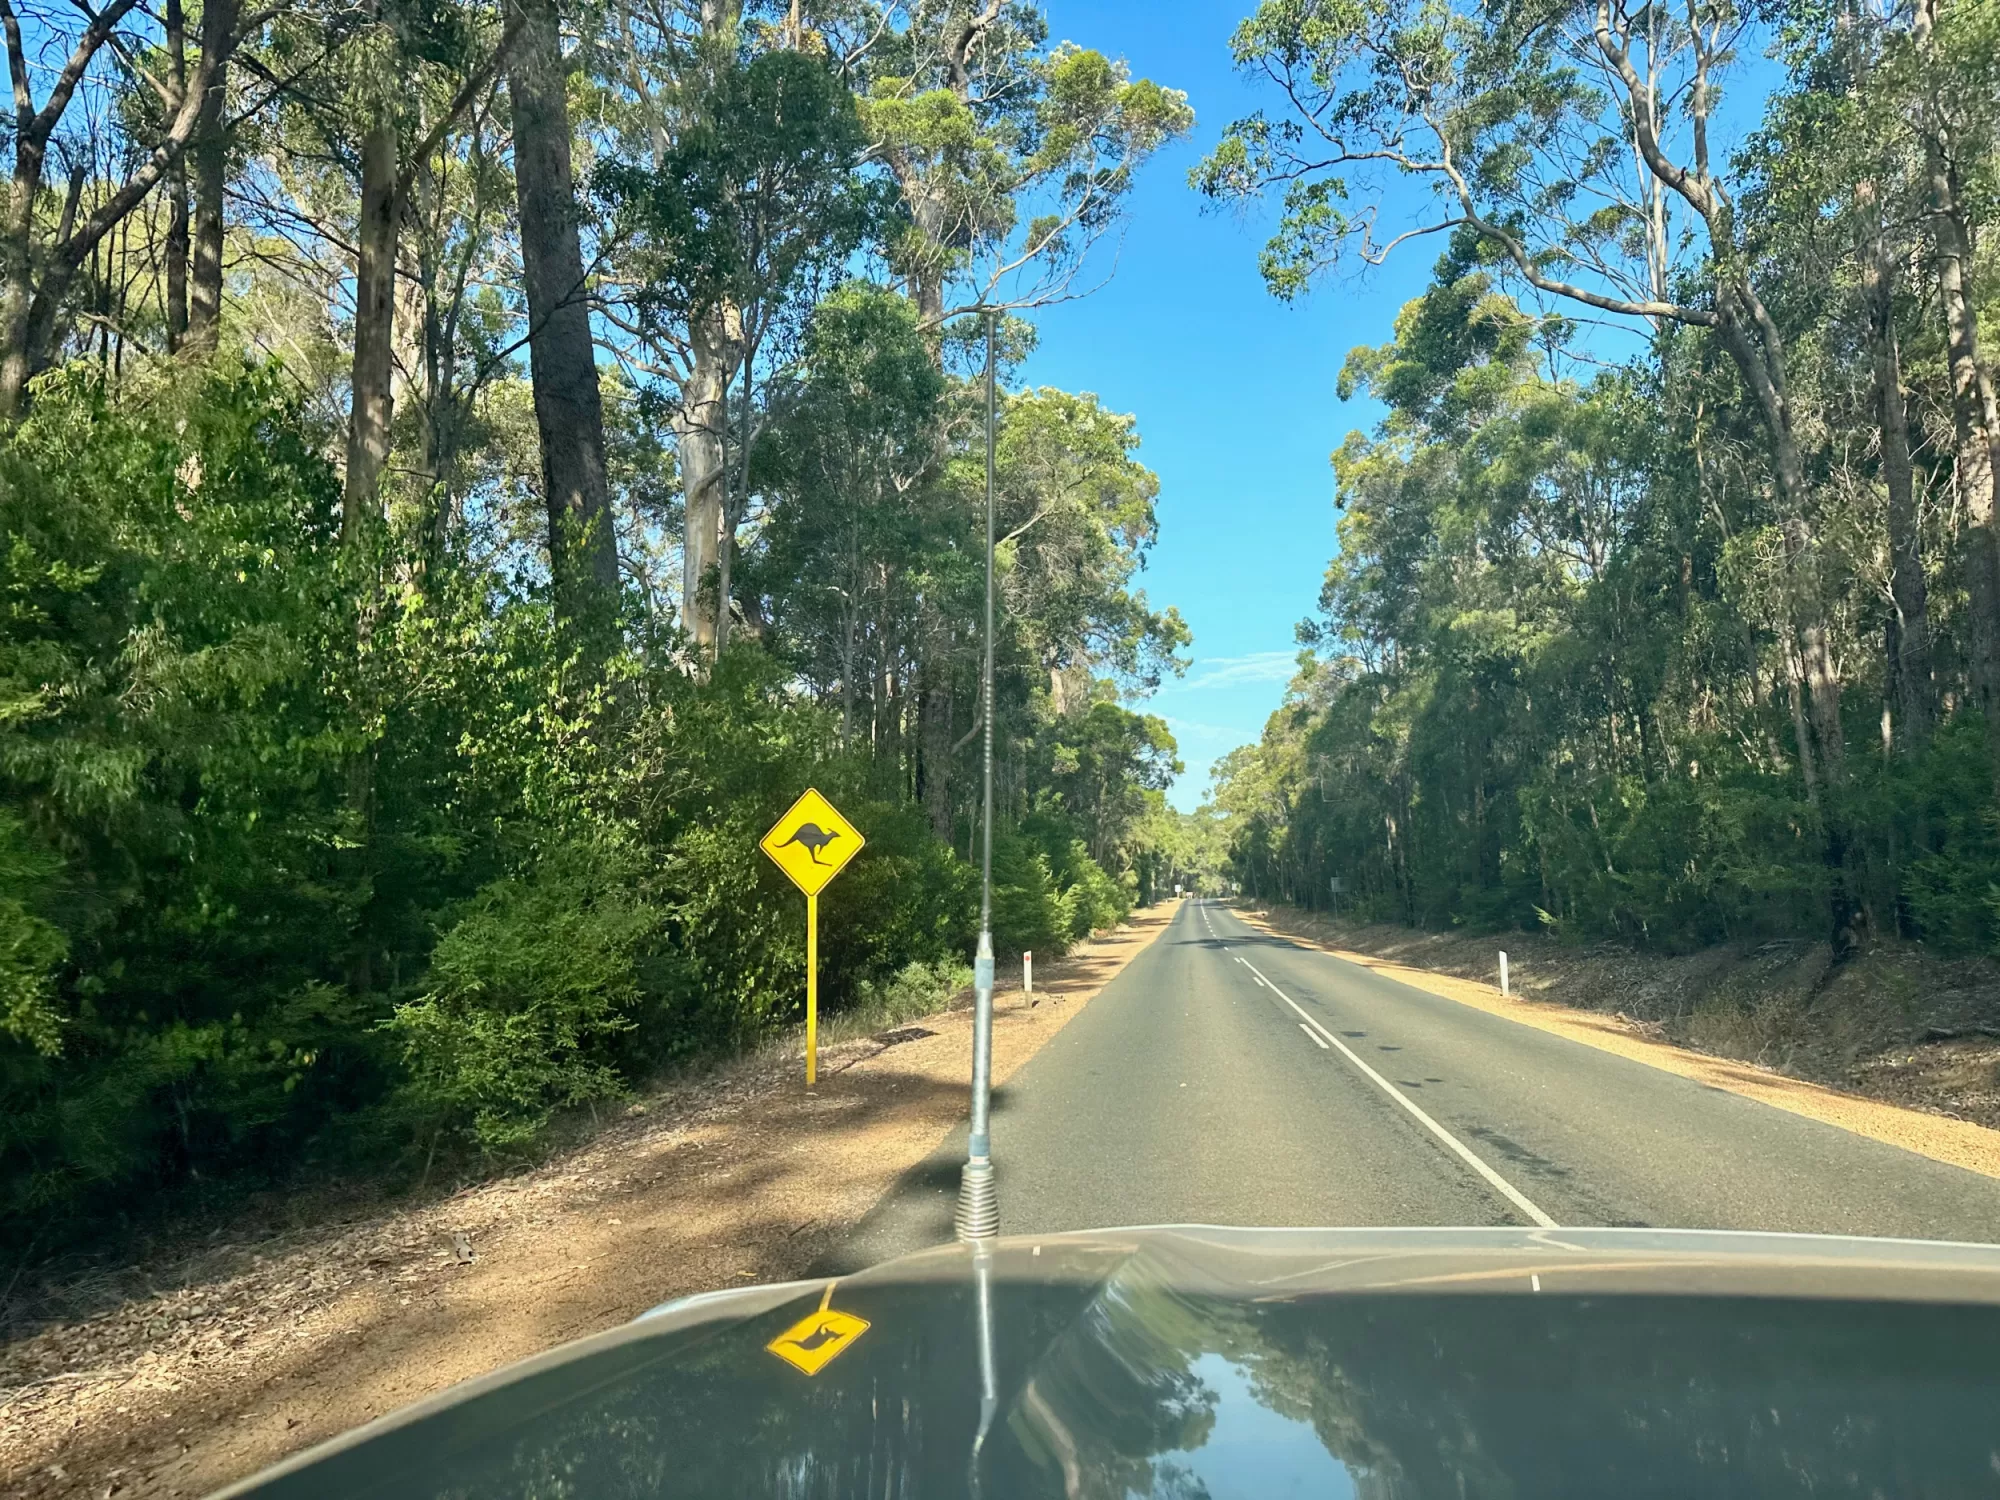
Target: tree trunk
x,y
34,281
847,679
701,425
934,745
927,285
373,400
371,409
735,499
210,150
701,429
17,276
1751,342
177,189
1975,426
725,553
1823,686
1796,698
569,411
1910,661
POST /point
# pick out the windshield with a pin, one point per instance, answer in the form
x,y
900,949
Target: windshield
x,y
651,649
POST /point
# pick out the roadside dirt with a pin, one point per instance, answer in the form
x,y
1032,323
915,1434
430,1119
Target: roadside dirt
x,y
1894,1044
176,1376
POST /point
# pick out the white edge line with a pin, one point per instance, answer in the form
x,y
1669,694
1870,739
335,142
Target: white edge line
x,y
1500,1184
1318,1040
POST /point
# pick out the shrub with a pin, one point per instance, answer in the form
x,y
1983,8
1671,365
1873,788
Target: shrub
x,y
918,989
528,989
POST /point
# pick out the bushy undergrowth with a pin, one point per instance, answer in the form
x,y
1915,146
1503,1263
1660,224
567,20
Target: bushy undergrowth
x,y
918,989
301,874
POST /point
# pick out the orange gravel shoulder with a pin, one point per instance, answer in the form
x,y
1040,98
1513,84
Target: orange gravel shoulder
x,y
229,1359
1960,1143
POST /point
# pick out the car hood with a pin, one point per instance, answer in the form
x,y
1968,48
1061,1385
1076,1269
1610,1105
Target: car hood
x,y
1193,1362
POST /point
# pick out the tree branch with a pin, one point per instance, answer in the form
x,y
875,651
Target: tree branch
x,y
461,101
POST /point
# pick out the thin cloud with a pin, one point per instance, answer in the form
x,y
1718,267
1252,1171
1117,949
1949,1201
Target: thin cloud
x,y
1192,729
1237,671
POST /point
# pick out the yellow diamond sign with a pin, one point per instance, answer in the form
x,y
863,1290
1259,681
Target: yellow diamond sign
x,y
812,843
818,1339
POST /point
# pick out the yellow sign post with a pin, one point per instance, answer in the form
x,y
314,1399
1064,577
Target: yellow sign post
x,y
812,843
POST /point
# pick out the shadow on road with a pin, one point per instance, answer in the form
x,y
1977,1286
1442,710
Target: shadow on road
x,y
915,1213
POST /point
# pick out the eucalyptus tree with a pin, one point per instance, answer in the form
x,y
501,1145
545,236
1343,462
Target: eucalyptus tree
x,y
854,460
664,59
391,155
569,409
755,207
1077,517
1108,769
1573,143
48,233
1951,84
1014,158
1011,158
1832,197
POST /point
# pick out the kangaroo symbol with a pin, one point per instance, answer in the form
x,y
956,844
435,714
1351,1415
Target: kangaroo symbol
x,y
817,1339
812,838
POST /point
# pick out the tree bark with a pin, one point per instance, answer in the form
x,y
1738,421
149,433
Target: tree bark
x,y
17,274
734,500
1910,661
1976,425
569,411
1751,342
701,429
34,283
701,425
372,398
210,150
177,188
1823,688
934,744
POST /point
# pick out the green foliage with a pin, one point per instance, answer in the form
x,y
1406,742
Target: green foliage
x,y
1095,901
171,748
1548,684
756,198
30,947
1031,914
1022,161
289,883
1076,517
1048,893
918,989
527,991
330,840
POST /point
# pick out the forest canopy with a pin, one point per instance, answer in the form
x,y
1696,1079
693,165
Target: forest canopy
x,y
1693,643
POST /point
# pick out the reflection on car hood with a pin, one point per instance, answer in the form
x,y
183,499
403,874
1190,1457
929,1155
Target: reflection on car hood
x,y
1194,1362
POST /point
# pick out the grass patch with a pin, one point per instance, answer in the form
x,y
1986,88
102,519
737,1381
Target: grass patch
x,y
914,991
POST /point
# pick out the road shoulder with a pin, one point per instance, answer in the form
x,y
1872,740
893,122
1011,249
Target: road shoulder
x,y
1958,1143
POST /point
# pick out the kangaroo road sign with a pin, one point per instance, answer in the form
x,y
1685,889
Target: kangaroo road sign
x,y
812,843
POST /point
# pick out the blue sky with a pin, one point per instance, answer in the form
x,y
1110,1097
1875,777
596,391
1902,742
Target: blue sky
x,y
1234,390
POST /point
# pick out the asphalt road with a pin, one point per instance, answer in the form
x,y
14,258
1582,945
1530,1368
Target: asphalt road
x,y
1229,1077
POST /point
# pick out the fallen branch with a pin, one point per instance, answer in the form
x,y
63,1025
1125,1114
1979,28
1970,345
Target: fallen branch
x,y
11,1392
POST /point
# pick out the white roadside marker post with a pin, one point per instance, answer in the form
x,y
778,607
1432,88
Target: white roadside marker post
x,y
1028,974
1503,971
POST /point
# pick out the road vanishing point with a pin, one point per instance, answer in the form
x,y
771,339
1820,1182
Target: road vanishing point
x,y
1229,1076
